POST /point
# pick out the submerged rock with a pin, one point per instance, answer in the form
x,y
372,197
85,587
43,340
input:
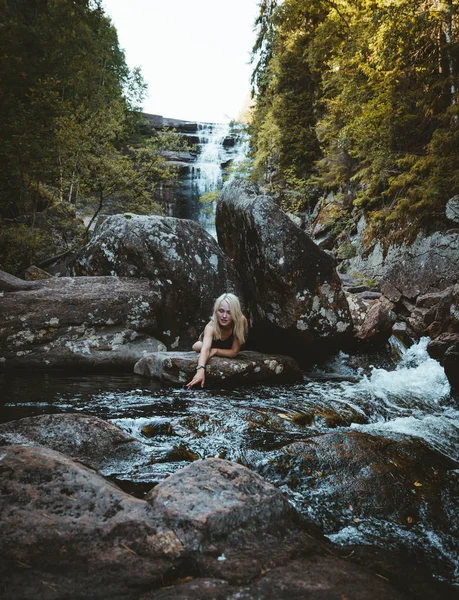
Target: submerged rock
x,y
92,323
372,482
291,287
84,437
248,367
186,268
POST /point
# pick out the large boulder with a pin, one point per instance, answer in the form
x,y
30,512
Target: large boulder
x,y
185,266
68,533
290,286
92,323
247,368
84,437
210,500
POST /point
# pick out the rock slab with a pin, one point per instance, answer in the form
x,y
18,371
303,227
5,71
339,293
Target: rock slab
x,y
90,323
247,368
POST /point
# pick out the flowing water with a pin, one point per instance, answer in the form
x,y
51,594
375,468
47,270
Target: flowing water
x,y
214,157
404,399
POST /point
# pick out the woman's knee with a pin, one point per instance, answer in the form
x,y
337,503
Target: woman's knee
x,y
197,346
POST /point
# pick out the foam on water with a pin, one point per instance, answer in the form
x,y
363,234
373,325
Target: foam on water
x,y
417,377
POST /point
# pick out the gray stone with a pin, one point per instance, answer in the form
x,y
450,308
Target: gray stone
x,y
10,283
69,533
186,268
91,323
452,209
84,437
247,368
428,264
211,499
291,287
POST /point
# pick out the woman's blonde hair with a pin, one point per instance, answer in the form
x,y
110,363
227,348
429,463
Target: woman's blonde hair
x,y
236,316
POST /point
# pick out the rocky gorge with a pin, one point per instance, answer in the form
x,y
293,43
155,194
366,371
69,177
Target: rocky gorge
x,y
138,294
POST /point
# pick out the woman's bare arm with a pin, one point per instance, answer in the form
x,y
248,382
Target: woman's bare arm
x,y
204,355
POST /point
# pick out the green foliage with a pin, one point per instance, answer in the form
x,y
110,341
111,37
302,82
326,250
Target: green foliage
x,y
21,246
360,96
69,106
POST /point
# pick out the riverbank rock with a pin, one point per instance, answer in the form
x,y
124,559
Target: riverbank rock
x,y
247,368
86,438
213,499
68,533
291,287
186,268
90,323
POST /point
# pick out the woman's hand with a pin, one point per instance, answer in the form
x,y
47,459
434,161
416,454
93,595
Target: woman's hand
x,y
199,378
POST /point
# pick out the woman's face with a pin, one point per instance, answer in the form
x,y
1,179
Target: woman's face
x,y
223,314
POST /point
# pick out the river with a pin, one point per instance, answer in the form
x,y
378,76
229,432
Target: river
x,y
402,398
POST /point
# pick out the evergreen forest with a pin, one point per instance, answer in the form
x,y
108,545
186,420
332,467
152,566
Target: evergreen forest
x,y
357,100
72,134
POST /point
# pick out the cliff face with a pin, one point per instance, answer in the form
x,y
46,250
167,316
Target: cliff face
x,y
214,147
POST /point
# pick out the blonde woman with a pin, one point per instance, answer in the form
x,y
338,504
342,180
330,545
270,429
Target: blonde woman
x,y
223,335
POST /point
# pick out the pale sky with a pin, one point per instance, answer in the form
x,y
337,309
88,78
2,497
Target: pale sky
x,y
194,54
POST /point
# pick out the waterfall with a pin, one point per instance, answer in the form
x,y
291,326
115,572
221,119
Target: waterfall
x,y
214,149
219,146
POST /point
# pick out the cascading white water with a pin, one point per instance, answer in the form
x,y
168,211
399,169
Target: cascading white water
x,y
208,170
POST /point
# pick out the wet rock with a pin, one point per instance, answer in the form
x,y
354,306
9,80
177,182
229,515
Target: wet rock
x,y
437,312
377,324
67,532
361,477
157,429
247,368
403,333
450,363
291,287
84,437
92,323
437,347
210,499
186,268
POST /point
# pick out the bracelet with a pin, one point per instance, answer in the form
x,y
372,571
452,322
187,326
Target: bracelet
x,y
200,367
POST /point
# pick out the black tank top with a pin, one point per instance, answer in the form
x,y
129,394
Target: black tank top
x,y
223,344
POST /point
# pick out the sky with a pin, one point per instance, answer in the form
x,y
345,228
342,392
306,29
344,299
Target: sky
x,y
194,54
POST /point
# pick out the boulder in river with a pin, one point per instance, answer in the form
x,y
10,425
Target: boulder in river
x,y
186,268
247,368
388,488
291,287
86,438
91,323
68,533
